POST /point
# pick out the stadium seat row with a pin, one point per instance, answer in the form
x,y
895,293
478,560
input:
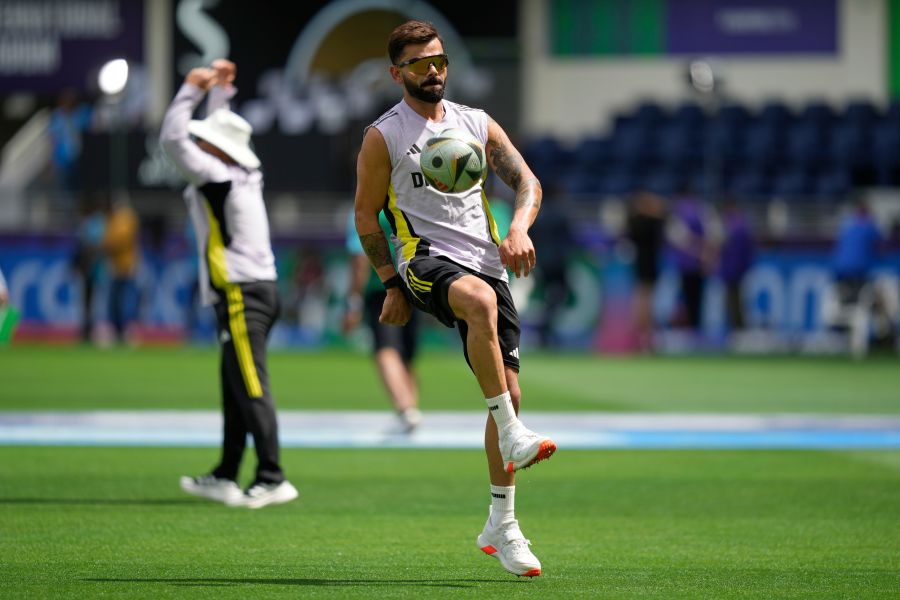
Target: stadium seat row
x,y
816,152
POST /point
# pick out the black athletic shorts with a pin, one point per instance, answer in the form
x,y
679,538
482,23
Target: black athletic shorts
x,y
402,339
428,280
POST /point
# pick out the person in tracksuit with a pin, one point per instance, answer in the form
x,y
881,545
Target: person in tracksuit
x,y
237,276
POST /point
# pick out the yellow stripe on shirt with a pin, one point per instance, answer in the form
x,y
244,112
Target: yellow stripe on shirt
x,y
215,250
492,224
404,232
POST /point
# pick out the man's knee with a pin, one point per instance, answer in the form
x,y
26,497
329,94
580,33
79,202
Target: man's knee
x,y
475,302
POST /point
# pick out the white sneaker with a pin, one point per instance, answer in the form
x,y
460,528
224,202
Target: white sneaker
x,y
211,488
410,419
520,447
506,543
264,494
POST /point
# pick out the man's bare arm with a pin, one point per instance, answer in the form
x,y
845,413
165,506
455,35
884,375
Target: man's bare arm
x,y
516,251
376,249
373,175
509,165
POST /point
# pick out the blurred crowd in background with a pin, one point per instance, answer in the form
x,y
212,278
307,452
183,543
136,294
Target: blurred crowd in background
x,y
695,219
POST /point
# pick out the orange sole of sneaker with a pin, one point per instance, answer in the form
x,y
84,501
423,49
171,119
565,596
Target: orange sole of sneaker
x,y
548,447
490,550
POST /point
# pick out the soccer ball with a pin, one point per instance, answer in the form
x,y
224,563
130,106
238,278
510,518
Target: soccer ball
x,y
453,161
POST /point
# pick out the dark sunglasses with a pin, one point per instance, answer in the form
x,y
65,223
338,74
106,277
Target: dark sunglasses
x,y
419,66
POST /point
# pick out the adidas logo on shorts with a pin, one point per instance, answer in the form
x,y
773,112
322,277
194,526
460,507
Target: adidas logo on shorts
x,y
515,353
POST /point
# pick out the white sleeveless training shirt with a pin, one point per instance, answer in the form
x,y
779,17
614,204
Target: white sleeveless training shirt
x,y
425,221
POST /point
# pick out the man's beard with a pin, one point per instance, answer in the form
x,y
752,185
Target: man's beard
x,y
432,96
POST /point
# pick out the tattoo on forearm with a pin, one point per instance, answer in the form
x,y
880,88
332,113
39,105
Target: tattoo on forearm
x,y
508,166
376,248
529,194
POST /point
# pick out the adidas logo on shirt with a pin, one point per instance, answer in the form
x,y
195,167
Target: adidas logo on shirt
x,y
414,149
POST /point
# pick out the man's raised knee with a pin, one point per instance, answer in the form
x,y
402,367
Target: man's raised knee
x,y
474,301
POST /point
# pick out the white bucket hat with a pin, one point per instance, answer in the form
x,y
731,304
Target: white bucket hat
x,y
229,133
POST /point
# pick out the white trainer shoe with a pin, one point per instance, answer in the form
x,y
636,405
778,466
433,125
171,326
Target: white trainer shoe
x,y
264,494
410,419
506,543
520,447
211,488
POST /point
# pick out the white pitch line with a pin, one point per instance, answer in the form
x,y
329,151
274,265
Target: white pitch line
x,y
374,429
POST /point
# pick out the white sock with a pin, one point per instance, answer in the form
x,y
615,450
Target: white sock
x,y
502,410
503,504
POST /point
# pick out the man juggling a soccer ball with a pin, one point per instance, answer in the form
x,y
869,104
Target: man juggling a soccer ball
x,y
451,261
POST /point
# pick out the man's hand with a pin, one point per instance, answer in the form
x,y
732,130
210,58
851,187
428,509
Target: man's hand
x,y
202,77
517,252
225,72
396,309
4,298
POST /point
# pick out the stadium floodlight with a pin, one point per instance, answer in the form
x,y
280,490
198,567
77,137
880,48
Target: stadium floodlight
x,y
702,76
113,76
112,79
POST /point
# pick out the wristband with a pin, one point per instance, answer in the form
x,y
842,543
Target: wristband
x,y
392,282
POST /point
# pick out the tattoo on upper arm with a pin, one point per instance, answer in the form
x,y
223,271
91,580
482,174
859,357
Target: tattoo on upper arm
x,y
376,248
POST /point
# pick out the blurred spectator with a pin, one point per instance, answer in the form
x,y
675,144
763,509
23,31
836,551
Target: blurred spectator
x,y
857,303
193,282
4,290
735,259
394,346
68,121
894,232
686,235
306,296
553,242
9,316
122,248
645,229
856,252
88,260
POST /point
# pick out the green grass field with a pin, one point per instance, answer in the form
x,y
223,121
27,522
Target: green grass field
x,y
37,378
110,522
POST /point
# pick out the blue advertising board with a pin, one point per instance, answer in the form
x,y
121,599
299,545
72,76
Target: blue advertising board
x,y
784,292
